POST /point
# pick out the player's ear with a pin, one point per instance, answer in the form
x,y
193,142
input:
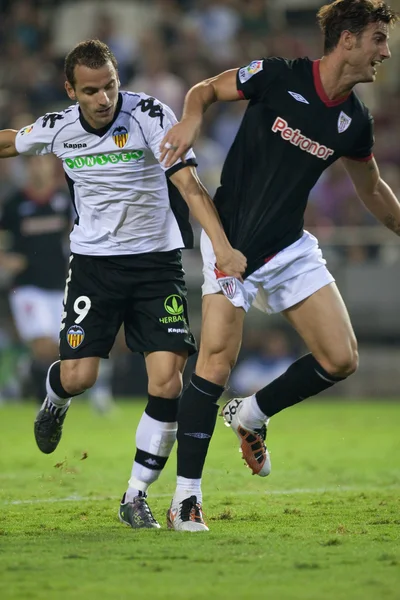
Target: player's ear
x,y
70,90
347,39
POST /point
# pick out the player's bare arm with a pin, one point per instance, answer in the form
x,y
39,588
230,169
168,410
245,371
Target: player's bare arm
x,y
377,196
182,136
230,261
7,143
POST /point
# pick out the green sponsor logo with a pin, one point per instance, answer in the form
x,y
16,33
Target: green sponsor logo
x,y
174,307
103,159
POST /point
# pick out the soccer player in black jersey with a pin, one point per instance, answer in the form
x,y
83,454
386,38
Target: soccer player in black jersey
x,y
37,218
302,116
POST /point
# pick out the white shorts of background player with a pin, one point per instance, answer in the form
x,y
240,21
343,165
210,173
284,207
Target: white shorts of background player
x,y
37,312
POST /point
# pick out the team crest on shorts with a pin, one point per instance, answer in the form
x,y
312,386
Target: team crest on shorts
x,y
75,336
343,122
120,136
228,286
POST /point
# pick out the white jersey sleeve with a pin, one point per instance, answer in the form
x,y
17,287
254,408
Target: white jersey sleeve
x,y
37,139
160,119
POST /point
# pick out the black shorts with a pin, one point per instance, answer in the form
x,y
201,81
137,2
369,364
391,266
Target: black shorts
x,y
145,292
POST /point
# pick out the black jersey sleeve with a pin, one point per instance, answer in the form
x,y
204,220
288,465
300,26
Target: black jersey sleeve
x,y
362,149
256,78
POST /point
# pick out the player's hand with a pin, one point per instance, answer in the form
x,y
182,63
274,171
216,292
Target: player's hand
x,y
232,263
178,140
12,262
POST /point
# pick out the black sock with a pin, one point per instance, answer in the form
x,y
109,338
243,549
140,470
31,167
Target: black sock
x,y
162,409
38,372
197,415
304,378
55,382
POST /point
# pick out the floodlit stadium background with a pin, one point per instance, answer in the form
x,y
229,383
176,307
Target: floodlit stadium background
x,y
164,47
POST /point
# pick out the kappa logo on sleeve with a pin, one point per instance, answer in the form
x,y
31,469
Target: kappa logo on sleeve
x,y
246,72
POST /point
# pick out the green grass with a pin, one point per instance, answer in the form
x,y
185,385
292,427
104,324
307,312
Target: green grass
x,y
324,525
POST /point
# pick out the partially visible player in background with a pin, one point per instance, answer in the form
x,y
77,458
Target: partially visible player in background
x,y
302,116
125,265
37,220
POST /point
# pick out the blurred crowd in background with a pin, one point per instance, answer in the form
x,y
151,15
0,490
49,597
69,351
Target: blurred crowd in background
x,y
163,47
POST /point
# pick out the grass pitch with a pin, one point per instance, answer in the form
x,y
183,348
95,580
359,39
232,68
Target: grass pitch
x,y
324,525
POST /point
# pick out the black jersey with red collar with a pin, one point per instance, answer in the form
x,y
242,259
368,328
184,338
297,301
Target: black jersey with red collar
x,y
290,133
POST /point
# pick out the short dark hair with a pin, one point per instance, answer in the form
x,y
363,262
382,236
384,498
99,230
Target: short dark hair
x,y
90,53
353,16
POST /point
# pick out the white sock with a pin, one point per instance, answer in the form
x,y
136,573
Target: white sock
x,y
154,442
52,396
186,488
251,416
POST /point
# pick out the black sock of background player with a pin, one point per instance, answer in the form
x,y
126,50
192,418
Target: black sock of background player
x,y
38,373
304,378
197,415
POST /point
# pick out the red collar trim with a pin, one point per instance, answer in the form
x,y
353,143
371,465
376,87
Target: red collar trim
x,y
320,90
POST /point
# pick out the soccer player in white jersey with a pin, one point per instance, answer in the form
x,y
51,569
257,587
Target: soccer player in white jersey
x,y
125,264
302,116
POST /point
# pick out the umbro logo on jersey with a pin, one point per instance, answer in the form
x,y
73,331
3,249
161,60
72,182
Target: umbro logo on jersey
x,y
343,122
298,97
74,146
295,137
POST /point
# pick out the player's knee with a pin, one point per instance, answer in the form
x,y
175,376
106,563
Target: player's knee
x,y
342,364
76,381
167,386
216,368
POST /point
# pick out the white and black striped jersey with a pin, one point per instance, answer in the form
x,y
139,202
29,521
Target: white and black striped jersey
x,y
124,201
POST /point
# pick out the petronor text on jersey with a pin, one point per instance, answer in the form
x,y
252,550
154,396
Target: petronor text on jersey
x,y
295,137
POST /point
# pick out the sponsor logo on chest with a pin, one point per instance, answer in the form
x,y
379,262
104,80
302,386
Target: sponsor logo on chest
x,y
104,160
297,138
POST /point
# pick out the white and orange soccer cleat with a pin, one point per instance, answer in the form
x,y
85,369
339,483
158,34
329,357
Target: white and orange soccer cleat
x,y
252,442
186,515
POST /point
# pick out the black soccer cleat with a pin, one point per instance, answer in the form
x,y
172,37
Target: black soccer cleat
x,y
137,514
48,426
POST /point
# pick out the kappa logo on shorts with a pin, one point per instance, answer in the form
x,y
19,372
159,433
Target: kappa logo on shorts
x,y
75,336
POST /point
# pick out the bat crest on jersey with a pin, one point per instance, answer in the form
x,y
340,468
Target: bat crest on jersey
x,y
343,122
120,136
295,137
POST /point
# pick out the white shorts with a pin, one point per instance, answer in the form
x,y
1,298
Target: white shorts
x,y
37,312
294,274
